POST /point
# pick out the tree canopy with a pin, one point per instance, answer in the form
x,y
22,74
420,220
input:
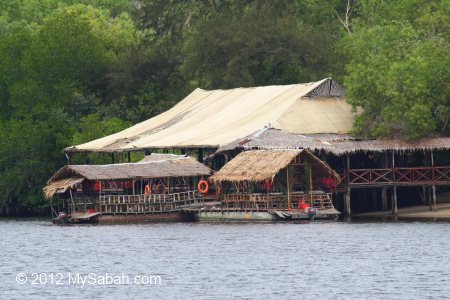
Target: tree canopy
x,y
72,71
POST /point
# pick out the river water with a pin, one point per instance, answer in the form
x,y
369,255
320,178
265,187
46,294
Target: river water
x,y
318,260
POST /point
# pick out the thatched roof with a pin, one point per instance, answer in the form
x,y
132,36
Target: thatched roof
x,y
338,144
210,119
271,138
349,146
153,166
61,186
258,165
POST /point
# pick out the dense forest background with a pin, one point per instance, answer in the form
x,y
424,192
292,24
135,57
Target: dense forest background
x,y
72,71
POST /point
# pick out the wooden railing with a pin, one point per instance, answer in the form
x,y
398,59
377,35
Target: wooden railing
x,y
138,204
253,202
278,201
397,176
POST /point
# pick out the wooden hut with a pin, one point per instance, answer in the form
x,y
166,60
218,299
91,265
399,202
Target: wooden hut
x,y
158,187
274,183
370,169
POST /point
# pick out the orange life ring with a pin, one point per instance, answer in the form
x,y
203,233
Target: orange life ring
x,y
204,189
147,190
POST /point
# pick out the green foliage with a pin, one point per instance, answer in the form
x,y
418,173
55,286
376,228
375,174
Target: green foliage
x,y
398,68
93,127
259,44
75,70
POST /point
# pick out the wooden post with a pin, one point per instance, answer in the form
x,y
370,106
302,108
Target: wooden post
x,y
424,195
288,188
168,185
310,185
384,199
384,205
348,211
394,202
394,196
434,207
430,205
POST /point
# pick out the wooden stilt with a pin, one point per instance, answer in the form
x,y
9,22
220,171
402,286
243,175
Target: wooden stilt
x,y
288,189
434,207
424,195
395,209
430,204
384,199
394,190
348,211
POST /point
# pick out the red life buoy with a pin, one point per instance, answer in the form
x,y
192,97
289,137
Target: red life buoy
x,y
203,186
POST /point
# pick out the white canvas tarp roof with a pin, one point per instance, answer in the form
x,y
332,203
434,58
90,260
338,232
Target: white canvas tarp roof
x,y
210,119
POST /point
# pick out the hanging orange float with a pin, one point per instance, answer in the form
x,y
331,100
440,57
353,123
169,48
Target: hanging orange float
x,y
203,186
147,190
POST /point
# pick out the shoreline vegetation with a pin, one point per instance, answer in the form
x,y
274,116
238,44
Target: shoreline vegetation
x,y
71,73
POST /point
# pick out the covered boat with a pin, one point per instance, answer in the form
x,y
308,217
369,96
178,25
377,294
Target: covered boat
x,y
156,188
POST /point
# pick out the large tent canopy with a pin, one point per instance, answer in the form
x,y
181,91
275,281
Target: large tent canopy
x,y
210,119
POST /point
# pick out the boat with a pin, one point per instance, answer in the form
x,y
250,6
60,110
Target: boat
x,y
158,188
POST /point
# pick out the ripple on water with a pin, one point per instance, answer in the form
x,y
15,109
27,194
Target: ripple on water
x,y
327,260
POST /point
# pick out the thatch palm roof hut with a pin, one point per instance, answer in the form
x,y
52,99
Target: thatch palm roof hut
x,y
152,166
259,165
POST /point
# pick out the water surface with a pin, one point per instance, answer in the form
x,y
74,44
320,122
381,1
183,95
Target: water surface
x,y
326,260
